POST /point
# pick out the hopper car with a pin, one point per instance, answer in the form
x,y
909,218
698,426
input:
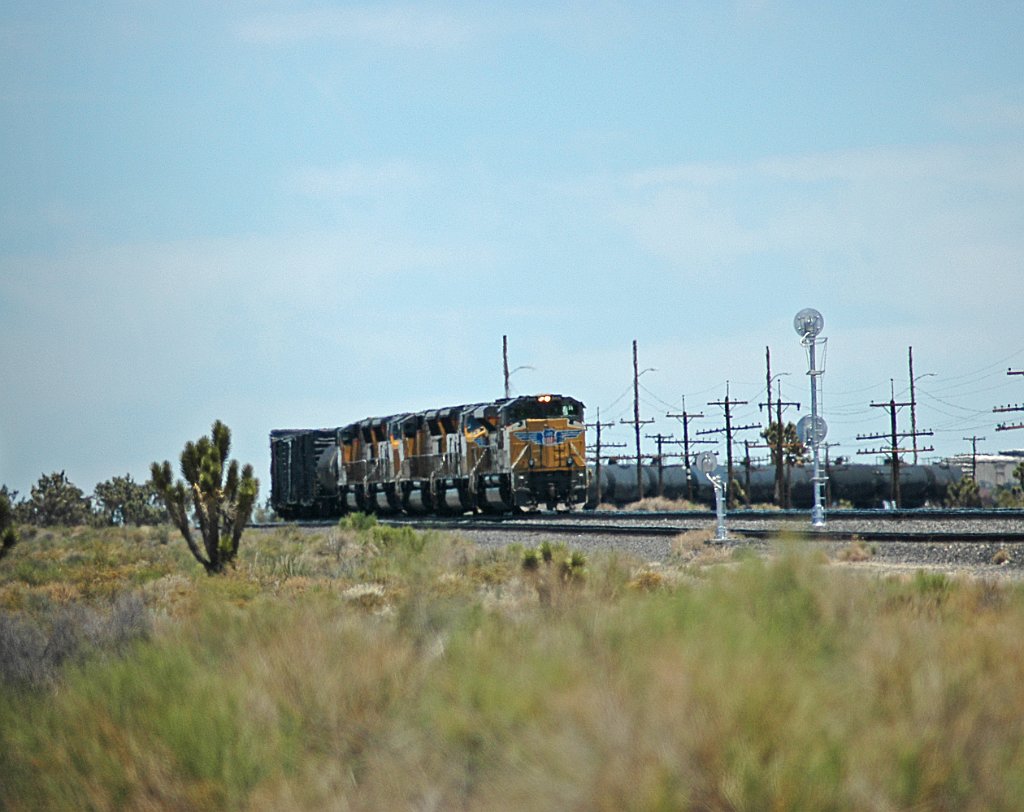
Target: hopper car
x,y
521,453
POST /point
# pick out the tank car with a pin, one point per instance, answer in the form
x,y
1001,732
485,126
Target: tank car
x,y
863,486
519,453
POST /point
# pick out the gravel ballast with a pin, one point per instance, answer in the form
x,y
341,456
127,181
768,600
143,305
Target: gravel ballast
x,y
989,559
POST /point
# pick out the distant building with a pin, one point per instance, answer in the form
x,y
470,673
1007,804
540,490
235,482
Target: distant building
x,y
993,470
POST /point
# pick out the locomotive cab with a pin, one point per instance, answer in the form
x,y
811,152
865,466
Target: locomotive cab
x,y
545,443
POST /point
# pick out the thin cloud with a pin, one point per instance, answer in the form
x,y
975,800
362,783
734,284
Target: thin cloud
x,y
396,26
987,111
890,218
357,180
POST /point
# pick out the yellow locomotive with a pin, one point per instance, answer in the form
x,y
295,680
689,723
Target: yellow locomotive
x,y
519,453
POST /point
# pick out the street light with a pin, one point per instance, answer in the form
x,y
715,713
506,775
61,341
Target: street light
x,y
510,374
637,424
913,405
779,438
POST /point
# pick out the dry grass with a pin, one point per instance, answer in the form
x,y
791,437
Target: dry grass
x,y
856,551
660,504
367,668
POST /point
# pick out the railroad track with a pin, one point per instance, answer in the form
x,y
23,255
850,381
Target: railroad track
x,y
736,530
877,526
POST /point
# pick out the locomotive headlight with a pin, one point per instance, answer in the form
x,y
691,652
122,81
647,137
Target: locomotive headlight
x,y
571,462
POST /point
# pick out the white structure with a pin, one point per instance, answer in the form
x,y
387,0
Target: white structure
x,y
993,470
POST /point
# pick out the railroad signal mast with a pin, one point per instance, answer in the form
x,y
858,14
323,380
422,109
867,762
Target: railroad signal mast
x,y
1016,408
812,429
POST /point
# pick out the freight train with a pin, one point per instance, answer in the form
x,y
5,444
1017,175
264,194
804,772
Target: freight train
x,y
862,486
521,453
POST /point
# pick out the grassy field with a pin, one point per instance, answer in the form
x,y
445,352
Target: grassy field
x,y
364,667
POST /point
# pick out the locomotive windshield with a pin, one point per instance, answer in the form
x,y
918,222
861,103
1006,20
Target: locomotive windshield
x,y
543,406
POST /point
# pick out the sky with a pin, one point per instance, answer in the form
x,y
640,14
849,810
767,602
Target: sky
x,y
290,214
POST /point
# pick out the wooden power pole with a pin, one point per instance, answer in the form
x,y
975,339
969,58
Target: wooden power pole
x,y
636,422
894,449
598,449
730,431
685,417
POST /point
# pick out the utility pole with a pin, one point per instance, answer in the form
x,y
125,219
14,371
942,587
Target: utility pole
x,y
894,436
662,439
504,357
730,431
746,469
778,452
598,448
685,417
974,455
637,423
1017,408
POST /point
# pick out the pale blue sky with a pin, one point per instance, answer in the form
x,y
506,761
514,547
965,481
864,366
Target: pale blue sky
x,y
290,214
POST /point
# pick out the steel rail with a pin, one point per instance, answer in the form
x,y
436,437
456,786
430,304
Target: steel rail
x,y
737,533
650,524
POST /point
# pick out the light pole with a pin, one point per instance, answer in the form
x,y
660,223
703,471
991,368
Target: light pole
x,y
637,424
808,324
913,402
509,375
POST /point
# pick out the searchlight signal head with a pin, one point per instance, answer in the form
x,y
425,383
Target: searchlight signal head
x,y
707,462
808,323
812,430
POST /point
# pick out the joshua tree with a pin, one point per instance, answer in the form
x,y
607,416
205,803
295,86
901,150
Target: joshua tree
x,y
964,493
222,506
8,538
122,501
56,500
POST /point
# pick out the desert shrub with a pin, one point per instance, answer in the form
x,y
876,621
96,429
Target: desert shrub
x,y
34,650
856,550
358,522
